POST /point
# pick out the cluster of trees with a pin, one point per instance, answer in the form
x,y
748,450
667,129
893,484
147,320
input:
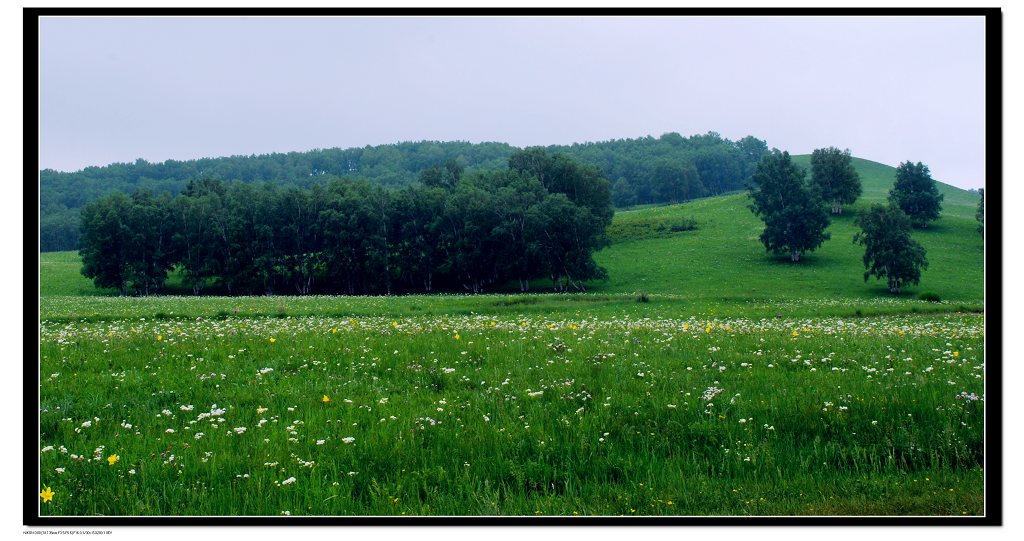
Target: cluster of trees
x,y
796,210
541,216
667,169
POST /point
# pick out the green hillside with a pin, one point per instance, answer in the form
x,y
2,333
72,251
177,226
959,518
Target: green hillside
x,y
722,261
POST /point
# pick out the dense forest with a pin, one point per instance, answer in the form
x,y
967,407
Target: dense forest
x,y
540,216
666,169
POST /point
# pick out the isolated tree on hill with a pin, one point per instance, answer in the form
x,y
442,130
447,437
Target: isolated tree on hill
x,y
794,215
916,194
833,174
890,254
980,215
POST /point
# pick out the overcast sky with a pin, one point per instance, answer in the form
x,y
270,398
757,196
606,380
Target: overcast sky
x,y
889,89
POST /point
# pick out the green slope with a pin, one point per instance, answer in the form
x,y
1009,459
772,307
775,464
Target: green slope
x,y
724,260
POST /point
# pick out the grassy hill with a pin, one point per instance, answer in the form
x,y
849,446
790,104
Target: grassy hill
x,y
723,262
723,259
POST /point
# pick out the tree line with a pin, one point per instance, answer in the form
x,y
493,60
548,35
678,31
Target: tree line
x,y
796,211
540,216
666,169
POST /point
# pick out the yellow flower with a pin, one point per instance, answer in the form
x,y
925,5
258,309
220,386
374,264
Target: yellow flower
x,y
46,494
159,337
272,339
956,353
326,399
112,459
394,323
795,334
457,337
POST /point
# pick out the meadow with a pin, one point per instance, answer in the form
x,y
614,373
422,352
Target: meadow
x,y
705,377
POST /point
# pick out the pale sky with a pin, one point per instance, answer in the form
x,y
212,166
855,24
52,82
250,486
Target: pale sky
x,y
890,89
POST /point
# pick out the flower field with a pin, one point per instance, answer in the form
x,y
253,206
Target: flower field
x,y
236,407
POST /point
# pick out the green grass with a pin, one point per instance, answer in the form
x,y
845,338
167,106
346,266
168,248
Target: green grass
x,y
540,404
724,258
513,416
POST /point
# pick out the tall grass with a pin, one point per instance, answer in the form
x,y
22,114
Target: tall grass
x,y
484,415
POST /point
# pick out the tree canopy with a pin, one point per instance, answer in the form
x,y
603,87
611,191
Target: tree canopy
x,y
794,215
890,253
832,173
916,194
666,169
454,231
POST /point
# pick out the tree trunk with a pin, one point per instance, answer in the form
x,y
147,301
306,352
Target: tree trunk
x,y
794,256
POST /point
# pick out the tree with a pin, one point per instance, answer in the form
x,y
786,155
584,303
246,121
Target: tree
x,y
676,181
916,194
890,254
751,151
794,216
126,242
833,174
980,215
103,241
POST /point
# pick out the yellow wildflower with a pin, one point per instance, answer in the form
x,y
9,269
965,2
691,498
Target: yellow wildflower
x,y
326,399
46,494
112,459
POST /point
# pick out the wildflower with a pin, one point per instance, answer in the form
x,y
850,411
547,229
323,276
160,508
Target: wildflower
x,y
348,439
710,393
325,399
457,337
131,471
240,430
320,442
260,409
272,339
169,431
59,470
159,337
288,481
46,494
112,459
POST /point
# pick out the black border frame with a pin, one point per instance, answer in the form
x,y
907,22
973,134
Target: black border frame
x,y
992,257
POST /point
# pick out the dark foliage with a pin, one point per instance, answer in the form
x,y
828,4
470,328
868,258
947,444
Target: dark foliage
x,y
455,231
890,253
832,173
916,194
646,170
794,215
